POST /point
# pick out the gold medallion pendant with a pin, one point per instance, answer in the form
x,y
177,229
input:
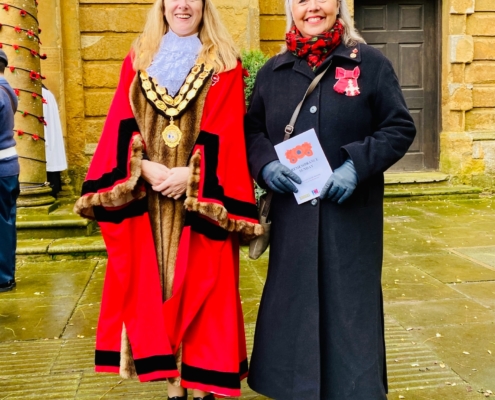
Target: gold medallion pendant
x,y
172,135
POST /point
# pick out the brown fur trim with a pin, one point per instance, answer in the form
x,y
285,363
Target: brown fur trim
x,y
127,367
214,211
84,205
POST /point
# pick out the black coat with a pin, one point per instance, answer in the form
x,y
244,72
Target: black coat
x,y
320,332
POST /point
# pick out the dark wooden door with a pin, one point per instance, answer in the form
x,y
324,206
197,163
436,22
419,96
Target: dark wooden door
x,y
405,31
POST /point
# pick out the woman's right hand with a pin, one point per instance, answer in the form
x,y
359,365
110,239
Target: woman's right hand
x,y
279,178
154,173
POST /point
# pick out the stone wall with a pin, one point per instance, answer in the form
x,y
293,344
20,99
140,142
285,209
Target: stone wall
x,y
468,137
272,25
94,36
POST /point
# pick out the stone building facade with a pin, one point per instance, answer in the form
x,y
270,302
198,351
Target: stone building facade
x,y
450,45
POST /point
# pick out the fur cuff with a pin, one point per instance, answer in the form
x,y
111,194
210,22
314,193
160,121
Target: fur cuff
x,y
214,211
121,193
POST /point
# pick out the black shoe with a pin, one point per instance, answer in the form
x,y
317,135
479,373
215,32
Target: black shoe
x,y
178,397
7,287
209,397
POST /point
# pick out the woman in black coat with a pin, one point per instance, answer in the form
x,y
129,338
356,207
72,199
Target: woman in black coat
x,y
320,331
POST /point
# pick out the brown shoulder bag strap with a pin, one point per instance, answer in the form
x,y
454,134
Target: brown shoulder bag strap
x,y
289,130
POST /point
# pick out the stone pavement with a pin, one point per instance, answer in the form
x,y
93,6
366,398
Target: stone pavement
x,y
439,290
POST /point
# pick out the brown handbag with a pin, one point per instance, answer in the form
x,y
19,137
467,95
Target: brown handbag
x,y
259,245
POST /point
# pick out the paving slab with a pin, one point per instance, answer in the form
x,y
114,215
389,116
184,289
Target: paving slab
x,y
61,387
38,318
51,279
485,255
449,267
439,312
410,283
468,349
481,292
410,243
447,392
84,319
27,358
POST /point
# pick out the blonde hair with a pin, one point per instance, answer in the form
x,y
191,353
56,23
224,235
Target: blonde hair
x,y
351,36
218,47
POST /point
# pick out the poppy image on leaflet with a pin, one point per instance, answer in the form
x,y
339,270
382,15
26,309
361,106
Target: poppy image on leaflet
x,y
299,152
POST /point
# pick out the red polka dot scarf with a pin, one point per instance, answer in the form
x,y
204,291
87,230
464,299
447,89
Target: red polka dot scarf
x,y
314,49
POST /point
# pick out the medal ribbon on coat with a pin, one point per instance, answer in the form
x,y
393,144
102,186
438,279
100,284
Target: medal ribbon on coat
x,y
173,107
347,81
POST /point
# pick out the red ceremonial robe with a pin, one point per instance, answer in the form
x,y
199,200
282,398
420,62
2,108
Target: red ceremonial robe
x,y
203,316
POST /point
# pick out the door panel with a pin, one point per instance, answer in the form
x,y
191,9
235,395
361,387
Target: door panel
x,y
404,31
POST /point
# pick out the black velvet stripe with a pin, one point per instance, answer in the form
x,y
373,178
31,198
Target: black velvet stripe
x,y
205,227
155,363
133,209
126,129
243,367
105,358
212,188
229,380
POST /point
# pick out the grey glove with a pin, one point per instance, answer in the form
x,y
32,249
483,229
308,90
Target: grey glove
x,y
341,184
278,177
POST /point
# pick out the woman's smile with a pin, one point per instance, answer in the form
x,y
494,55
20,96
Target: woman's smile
x,y
312,17
184,17
314,20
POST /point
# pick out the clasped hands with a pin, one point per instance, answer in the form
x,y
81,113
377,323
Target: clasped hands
x,y
338,188
170,182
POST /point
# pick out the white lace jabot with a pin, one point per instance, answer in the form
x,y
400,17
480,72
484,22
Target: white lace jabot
x,y
174,60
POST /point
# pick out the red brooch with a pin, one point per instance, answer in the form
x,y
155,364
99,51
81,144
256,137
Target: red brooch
x,y
347,81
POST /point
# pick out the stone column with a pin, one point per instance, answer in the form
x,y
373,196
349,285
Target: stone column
x,y
19,36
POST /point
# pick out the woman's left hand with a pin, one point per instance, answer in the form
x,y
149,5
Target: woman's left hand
x,y
176,184
341,183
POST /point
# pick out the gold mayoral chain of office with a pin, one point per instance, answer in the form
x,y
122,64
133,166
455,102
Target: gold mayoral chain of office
x,y
173,107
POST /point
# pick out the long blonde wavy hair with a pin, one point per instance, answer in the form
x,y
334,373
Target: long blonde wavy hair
x,y
218,47
351,36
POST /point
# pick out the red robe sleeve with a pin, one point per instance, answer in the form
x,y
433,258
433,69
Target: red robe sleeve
x,y
220,187
112,178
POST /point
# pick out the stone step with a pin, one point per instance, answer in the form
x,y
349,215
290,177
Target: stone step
x,y
413,194
73,248
407,186
416,179
61,223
